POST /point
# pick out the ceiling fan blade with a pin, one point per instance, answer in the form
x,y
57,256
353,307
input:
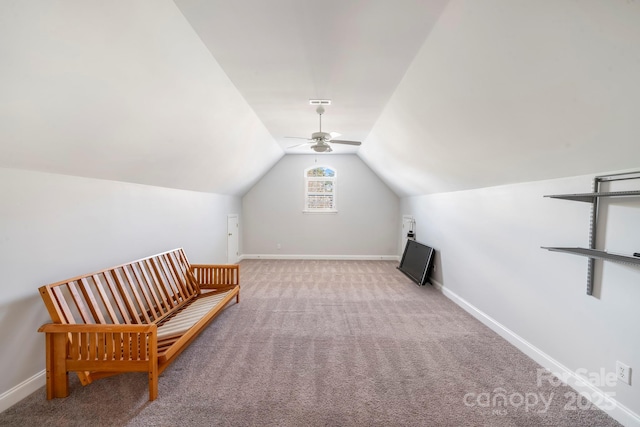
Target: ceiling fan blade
x,y
340,141
297,145
335,134
298,137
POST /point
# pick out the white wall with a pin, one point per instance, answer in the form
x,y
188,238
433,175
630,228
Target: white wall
x,y
53,227
488,255
366,224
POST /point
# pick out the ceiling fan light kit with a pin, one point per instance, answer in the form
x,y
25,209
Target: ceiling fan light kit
x,y
321,148
321,140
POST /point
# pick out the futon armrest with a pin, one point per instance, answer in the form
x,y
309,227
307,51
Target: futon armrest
x,y
87,347
213,276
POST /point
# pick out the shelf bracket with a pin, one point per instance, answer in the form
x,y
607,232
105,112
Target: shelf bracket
x,y
593,227
595,205
594,199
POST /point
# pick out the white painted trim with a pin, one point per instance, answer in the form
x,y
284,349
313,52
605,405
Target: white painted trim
x,y
611,406
324,257
236,258
22,390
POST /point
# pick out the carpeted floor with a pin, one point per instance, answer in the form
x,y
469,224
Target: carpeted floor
x,y
329,343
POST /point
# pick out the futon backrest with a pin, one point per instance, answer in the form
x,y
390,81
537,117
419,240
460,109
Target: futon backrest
x,y
143,291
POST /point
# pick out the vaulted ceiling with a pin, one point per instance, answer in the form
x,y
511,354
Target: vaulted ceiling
x,y
200,94
281,53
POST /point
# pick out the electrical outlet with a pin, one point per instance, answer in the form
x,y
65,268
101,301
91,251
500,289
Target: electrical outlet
x,y
278,246
623,372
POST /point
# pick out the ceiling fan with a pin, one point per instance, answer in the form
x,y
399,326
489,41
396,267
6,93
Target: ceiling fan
x,y
320,140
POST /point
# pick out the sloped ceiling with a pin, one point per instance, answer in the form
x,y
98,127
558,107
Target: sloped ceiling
x,y
124,91
445,95
511,91
281,53
199,94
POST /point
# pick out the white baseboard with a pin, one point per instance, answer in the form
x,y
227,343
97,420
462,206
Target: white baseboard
x,y
324,257
22,390
615,409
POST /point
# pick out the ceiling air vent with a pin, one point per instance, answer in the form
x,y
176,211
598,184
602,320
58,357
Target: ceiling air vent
x,y
320,102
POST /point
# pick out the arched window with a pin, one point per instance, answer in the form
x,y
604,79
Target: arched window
x,y
320,189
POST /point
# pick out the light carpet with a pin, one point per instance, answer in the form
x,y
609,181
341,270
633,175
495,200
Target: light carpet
x,y
329,343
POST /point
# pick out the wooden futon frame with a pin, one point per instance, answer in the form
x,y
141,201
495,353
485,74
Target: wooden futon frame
x,y
136,317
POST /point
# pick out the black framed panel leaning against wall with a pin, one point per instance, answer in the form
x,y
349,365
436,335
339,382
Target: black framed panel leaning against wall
x,y
417,261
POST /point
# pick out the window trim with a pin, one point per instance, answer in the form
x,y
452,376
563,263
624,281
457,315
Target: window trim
x,y
334,192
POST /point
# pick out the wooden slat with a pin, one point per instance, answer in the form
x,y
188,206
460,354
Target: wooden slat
x,y
120,305
93,346
190,335
126,346
50,301
79,303
158,309
126,297
134,355
171,280
117,345
178,276
74,346
142,308
117,297
83,346
105,299
184,270
188,271
73,279
194,283
164,297
93,304
213,276
109,353
115,366
146,292
176,284
64,308
188,316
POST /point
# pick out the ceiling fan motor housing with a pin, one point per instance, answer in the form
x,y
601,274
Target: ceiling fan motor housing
x,y
321,136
